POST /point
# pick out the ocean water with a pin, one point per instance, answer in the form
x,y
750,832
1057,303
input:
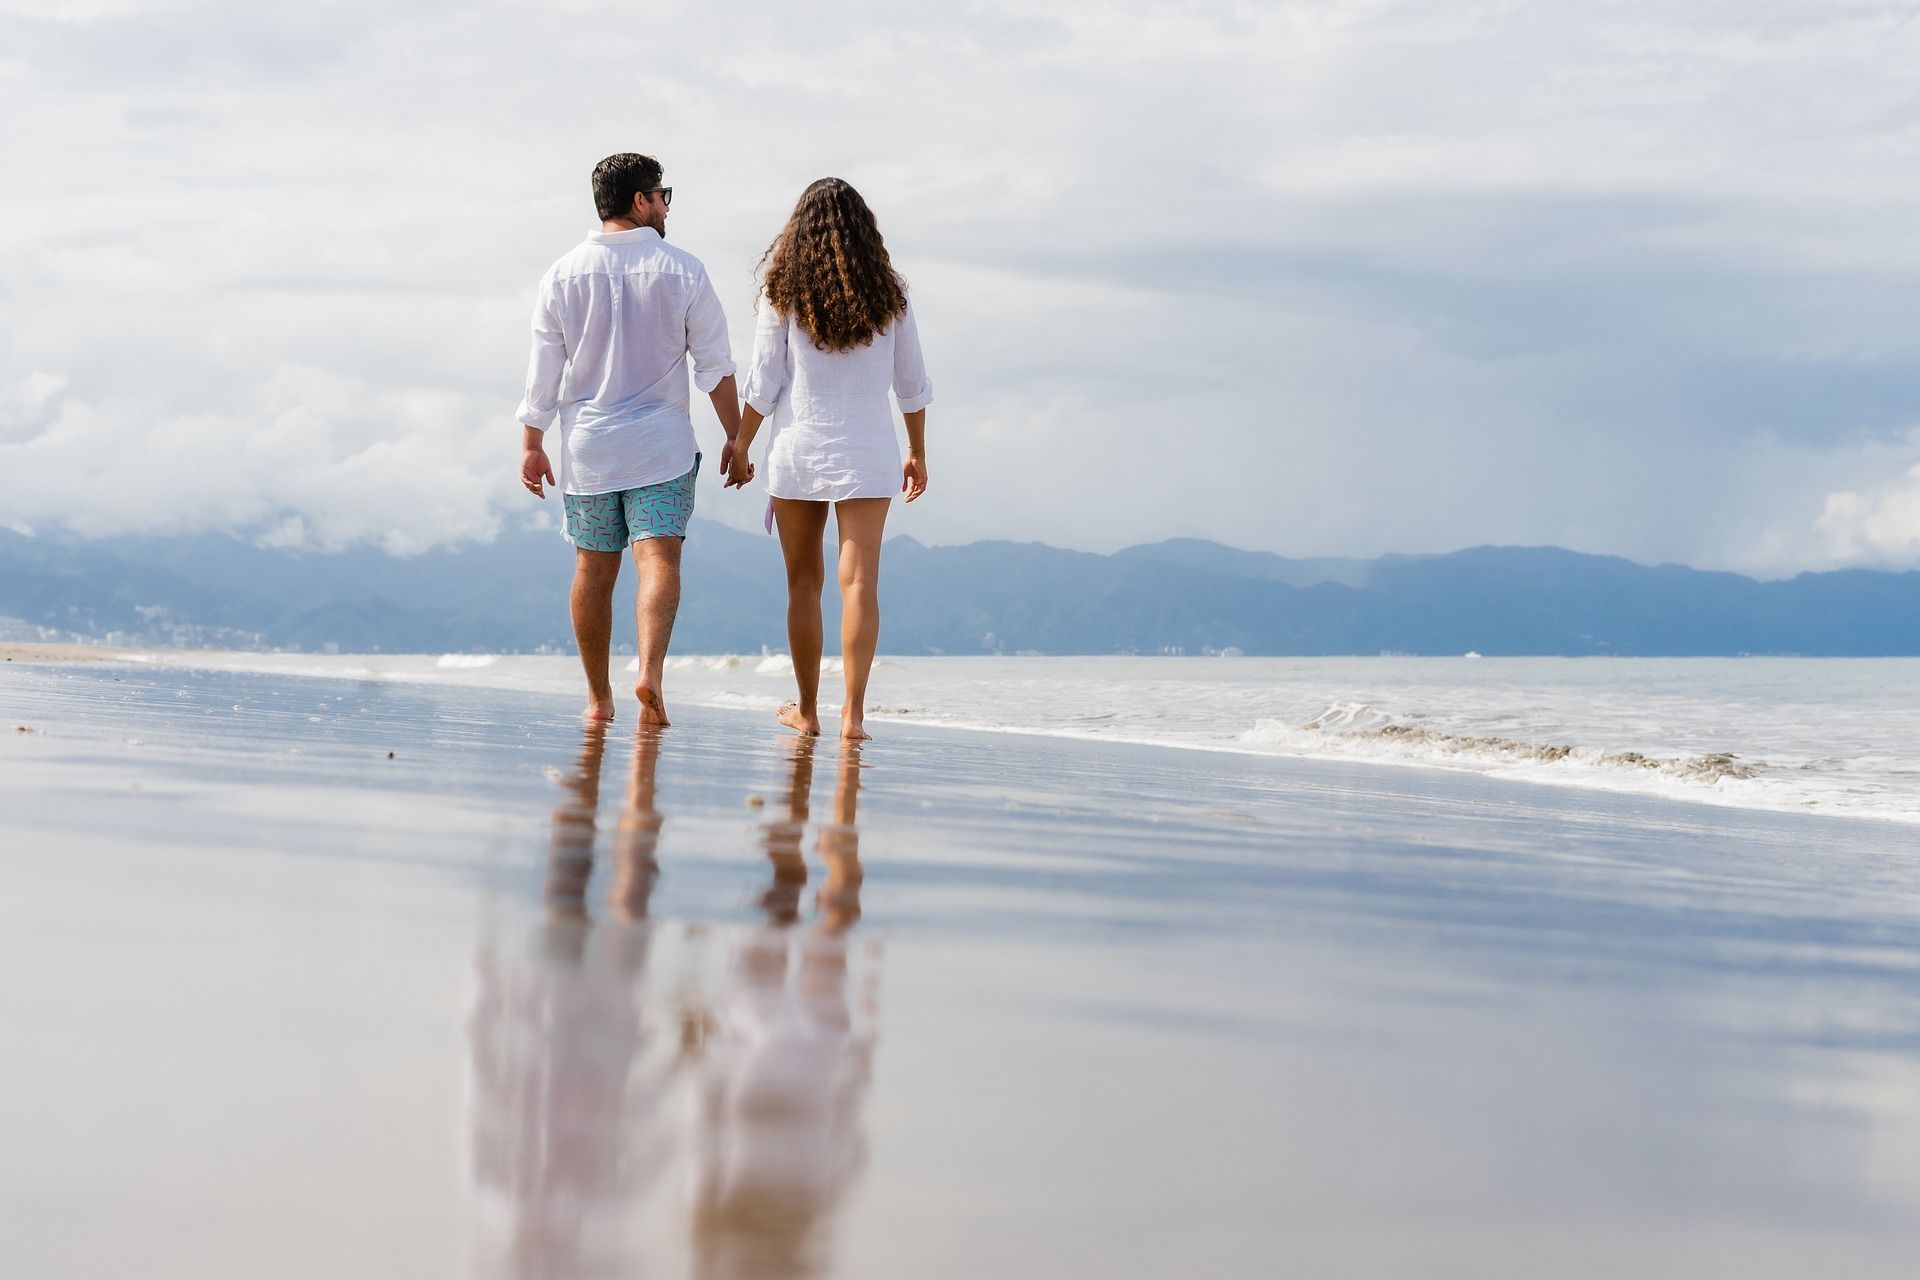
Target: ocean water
x,y
1830,736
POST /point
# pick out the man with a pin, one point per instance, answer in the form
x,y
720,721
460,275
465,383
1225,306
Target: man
x,y
613,324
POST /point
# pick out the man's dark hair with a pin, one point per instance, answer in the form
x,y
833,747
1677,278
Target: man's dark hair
x,y
618,178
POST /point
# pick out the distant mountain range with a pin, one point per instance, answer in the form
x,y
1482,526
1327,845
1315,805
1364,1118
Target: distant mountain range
x,y
1182,596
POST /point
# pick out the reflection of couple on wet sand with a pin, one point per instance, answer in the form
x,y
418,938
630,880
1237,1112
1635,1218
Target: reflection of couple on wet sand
x,y
784,1070
614,323
578,1042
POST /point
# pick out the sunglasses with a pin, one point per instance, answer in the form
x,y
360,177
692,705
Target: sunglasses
x,y
665,194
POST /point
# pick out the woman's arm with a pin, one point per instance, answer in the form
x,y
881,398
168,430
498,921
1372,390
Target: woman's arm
x,y
913,482
767,370
766,382
915,391
742,471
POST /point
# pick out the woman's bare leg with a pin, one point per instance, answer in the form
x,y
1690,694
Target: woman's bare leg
x,y
862,523
802,527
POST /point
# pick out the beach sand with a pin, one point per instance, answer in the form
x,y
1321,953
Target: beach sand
x,y
325,977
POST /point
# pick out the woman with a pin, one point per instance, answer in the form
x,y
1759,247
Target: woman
x,y
834,332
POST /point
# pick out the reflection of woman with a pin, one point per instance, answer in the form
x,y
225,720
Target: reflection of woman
x,y
781,1091
835,332
839,900
563,1139
784,837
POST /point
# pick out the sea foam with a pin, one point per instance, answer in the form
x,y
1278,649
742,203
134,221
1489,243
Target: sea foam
x,y
1368,731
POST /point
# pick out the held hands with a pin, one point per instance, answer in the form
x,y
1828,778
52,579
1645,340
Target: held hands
x,y
734,463
913,481
534,468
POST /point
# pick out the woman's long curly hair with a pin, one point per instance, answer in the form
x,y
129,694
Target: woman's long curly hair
x,y
828,269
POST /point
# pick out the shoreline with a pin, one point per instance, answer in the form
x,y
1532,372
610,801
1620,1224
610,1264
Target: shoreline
x,y
58,650
1587,770
49,654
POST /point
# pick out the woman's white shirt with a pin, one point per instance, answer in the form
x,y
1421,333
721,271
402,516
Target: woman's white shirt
x,y
831,434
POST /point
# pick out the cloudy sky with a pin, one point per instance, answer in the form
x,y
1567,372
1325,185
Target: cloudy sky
x,y
1340,277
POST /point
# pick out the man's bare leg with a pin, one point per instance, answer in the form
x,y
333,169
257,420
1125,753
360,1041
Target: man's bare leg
x,y
862,523
654,607
802,527
594,573
637,838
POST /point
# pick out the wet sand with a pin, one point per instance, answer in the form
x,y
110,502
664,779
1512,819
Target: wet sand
x,y
517,999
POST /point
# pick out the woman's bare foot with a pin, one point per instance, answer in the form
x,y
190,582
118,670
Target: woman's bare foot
x,y
853,729
789,715
599,707
653,710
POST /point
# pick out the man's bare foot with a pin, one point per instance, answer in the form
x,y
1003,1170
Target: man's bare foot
x,y
599,707
853,730
789,715
653,710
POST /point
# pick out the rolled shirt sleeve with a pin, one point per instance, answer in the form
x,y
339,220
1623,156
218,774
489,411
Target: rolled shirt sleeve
x,y
767,372
547,367
910,382
707,338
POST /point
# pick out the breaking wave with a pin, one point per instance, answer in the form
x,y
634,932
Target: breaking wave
x,y
1366,730
780,664
698,662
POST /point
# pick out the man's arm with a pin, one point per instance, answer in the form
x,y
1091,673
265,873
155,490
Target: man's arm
x,y
545,370
534,466
713,361
726,405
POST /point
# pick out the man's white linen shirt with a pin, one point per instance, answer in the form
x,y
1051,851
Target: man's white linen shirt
x,y
613,324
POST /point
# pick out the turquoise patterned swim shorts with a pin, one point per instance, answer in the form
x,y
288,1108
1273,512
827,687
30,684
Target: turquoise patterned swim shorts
x,y
610,521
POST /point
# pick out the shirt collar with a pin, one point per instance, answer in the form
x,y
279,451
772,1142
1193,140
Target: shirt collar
x,y
629,236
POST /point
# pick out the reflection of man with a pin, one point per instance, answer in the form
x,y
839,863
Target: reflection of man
x,y
782,1087
564,1140
613,324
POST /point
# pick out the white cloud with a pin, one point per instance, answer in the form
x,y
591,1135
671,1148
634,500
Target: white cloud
x,y
1846,497
25,403
306,457
1880,526
1326,277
